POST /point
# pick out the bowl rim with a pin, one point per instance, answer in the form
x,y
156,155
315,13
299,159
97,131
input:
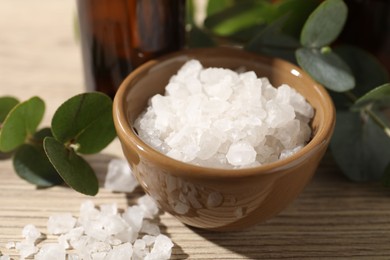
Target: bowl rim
x,y
128,136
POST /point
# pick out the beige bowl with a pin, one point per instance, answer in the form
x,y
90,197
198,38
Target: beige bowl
x,y
220,199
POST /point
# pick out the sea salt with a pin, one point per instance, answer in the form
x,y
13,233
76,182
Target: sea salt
x,y
60,223
119,177
220,118
99,233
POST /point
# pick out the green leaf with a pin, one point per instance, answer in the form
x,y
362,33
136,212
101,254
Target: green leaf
x,y
298,11
239,17
326,68
85,121
366,69
21,123
360,147
272,41
325,24
197,38
73,169
380,95
31,163
6,104
190,12
216,6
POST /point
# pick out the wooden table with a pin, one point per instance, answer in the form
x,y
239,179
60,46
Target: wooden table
x,y
333,218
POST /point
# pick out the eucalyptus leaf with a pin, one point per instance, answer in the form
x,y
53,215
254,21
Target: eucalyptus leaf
x,y
240,16
272,41
366,69
85,121
31,163
73,169
326,68
6,104
298,11
325,24
379,95
21,123
360,147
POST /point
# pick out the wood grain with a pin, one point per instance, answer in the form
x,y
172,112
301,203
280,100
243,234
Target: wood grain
x,y
332,219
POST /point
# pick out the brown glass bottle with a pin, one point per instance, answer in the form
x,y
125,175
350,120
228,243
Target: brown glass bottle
x,y
119,35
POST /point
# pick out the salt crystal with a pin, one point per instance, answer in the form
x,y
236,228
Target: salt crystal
x,y
120,177
134,216
241,153
60,223
87,208
149,240
123,251
126,235
149,206
51,251
99,255
162,248
288,152
26,248
109,209
279,114
139,249
209,144
5,257
150,228
30,233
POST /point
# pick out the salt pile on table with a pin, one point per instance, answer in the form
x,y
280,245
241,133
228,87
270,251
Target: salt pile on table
x,y
99,233
219,118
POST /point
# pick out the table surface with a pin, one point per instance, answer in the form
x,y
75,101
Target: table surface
x,y
332,218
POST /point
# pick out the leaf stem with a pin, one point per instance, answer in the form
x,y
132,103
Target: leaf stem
x,y
368,111
350,96
377,120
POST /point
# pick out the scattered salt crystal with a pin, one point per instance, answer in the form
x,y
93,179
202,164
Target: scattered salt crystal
x,y
162,248
149,206
150,228
26,248
109,209
139,249
134,216
220,118
30,233
123,251
51,251
99,233
120,177
60,223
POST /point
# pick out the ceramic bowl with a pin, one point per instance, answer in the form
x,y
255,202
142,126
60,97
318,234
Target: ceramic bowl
x,y
210,198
